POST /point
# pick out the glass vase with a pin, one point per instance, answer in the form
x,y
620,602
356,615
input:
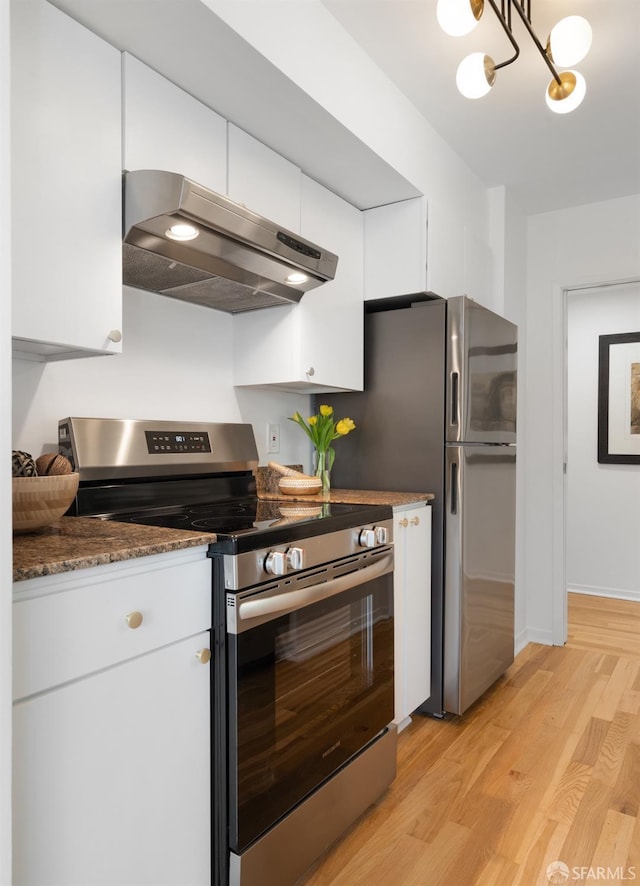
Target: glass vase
x,y
321,465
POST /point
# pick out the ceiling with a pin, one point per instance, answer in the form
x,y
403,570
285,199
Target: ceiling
x,y
548,160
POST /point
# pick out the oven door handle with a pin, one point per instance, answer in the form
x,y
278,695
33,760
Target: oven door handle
x,y
291,600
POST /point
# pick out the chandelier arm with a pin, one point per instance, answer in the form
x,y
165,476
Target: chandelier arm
x,y
527,23
506,25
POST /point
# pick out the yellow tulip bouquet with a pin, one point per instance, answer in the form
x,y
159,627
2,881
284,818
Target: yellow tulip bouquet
x,y
322,430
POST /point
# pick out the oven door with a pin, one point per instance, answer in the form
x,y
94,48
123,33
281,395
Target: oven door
x,y
310,683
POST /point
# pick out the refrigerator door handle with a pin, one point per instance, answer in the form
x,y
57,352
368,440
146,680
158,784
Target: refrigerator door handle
x,y
453,488
455,378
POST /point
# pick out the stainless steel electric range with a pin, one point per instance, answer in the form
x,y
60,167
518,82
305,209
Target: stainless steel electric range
x,y
302,634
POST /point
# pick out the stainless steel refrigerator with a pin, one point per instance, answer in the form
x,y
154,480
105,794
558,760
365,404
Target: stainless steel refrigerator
x,y
438,414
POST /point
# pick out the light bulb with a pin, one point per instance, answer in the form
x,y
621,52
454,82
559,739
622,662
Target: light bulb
x,y
476,75
564,97
458,17
296,278
182,231
569,41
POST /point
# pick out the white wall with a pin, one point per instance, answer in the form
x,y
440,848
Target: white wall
x,y
5,445
508,235
585,245
176,364
603,516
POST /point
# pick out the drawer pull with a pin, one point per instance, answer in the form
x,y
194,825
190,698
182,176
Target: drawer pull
x,y
404,522
415,521
134,619
204,656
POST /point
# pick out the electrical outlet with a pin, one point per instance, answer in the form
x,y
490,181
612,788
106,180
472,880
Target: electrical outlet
x,y
273,438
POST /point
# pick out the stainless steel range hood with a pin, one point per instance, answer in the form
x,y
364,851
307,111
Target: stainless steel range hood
x,y
237,260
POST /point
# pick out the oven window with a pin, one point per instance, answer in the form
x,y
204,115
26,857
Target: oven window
x,y
307,691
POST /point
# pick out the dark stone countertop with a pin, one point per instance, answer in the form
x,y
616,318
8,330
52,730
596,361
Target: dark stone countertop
x,y
357,497
267,480
80,542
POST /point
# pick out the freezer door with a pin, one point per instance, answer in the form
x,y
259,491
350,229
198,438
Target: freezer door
x,y
481,374
479,570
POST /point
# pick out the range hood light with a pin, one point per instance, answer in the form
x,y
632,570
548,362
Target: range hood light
x,y
296,278
182,231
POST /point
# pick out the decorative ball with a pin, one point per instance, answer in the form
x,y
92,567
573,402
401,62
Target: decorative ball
x,y
22,464
52,463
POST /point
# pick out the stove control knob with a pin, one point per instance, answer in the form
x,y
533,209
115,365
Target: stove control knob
x,y
276,563
295,558
381,534
367,538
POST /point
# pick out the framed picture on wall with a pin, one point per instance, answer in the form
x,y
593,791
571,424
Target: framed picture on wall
x,y
619,398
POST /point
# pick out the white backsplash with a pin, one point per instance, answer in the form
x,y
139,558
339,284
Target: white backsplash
x,y
176,365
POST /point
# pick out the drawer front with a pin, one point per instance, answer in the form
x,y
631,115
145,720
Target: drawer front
x,y
97,620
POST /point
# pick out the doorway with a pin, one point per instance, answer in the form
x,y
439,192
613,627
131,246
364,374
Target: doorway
x,y
601,520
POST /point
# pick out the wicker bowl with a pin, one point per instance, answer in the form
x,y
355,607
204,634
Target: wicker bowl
x,y
300,485
40,501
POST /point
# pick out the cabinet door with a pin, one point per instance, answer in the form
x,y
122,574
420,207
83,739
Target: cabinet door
x,y
66,181
412,597
165,128
332,338
262,180
316,345
112,776
395,249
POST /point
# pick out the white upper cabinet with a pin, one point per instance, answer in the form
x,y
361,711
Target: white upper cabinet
x,y
317,344
66,187
263,181
332,318
166,128
395,249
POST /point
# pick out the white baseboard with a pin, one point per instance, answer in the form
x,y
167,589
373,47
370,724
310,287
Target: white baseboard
x,y
613,593
533,635
521,641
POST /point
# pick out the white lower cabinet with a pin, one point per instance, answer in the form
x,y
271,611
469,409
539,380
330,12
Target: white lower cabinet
x,y
111,773
412,609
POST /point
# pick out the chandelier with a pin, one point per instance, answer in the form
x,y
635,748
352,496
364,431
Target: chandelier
x,y
568,43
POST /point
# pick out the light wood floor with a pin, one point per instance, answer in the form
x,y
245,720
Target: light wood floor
x,y
544,768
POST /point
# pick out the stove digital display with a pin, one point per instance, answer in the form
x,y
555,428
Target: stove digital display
x,y
179,442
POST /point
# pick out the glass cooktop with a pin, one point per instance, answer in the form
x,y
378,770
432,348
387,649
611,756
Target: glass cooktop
x,y
253,522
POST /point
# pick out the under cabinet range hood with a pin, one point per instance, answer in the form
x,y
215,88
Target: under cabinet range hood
x,y
185,241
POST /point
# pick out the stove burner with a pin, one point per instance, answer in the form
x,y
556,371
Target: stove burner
x,y
168,521
229,517
228,526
